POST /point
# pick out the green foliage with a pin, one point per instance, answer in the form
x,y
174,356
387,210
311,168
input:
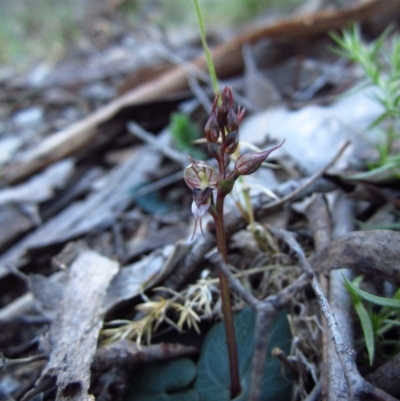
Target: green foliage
x,y
385,173
391,303
217,13
380,62
163,381
176,380
374,325
42,29
30,32
213,381
184,133
364,316
395,226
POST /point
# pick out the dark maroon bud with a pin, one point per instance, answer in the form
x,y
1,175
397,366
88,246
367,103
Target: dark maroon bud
x,y
214,149
226,103
250,162
231,142
232,123
211,129
222,112
227,96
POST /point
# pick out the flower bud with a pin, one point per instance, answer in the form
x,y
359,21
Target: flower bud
x,y
226,104
211,129
250,162
232,123
231,142
222,112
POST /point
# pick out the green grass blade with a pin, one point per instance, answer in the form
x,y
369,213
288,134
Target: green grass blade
x,y
367,329
382,301
363,315
209,60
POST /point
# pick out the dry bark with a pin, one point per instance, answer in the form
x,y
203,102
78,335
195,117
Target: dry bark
x,y
376,252
72,340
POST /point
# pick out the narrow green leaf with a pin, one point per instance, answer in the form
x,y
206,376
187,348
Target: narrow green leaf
x,y
384,226
382,301
363,315
367,329
354,296
380,118
384,173
392,322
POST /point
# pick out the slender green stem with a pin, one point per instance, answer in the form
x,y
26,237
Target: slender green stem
x,y
210,63
226,299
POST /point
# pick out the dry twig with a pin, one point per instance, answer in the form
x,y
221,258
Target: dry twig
x,y
358,387
292,195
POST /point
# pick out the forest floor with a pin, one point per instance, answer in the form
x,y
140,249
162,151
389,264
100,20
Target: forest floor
x,y
107,290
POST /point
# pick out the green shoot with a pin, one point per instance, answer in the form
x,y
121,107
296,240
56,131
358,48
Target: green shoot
x,y
381,66
374,325
391,303
210,63
365,318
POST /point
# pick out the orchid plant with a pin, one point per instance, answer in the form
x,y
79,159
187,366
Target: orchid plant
x,y
222,135
210,187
